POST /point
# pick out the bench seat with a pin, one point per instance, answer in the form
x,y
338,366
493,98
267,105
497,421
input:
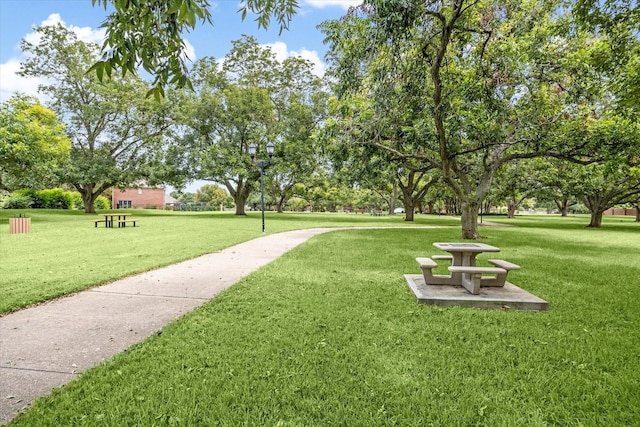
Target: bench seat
x,y
472,276
504,264
97,221
500,279
427,265
123,222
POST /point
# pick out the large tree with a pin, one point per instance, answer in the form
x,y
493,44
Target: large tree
x,y
222,118
33,144
299,99
252,99
115,132
495,78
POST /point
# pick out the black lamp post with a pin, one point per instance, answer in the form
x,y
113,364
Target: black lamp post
x,y
262,164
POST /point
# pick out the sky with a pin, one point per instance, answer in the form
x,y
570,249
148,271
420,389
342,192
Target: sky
x,y
19,17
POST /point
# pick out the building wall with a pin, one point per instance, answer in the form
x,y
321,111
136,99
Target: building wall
x,y
621,211
140,198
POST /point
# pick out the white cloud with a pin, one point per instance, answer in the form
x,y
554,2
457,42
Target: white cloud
x,y
85,34
11,82
321,4
281,52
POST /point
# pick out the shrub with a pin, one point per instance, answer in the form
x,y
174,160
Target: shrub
x,y
36,201
76,198
50,199
102,203
17,201
56,199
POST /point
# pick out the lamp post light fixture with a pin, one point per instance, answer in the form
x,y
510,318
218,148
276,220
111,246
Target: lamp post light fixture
x,y
262,164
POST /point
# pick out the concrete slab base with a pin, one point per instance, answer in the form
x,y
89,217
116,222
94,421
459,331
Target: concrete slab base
x,y
509,296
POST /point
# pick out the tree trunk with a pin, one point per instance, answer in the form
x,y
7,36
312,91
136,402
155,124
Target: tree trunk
x,y
637,212
596,219
409,208
430,206
279,203
88,197
88,200
563,205
240,202
597,204
511,210
240,195
469,220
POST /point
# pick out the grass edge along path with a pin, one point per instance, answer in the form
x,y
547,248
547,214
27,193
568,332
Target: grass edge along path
x,y
330,334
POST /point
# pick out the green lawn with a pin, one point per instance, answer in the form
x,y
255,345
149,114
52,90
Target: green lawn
x,y
330,334
65,253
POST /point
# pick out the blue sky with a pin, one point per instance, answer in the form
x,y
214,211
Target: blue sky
x,y
18,17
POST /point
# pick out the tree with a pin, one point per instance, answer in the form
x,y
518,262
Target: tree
x,y
183,197
253,99
494,78
559,180
213,195
222,119
603,186
515,182
115,132
299,100
376,145
32,144
148,34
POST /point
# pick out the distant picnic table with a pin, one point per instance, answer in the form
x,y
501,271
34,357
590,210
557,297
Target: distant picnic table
x,y
110,219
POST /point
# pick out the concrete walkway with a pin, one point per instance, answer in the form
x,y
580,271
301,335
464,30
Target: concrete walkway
x,y
48,345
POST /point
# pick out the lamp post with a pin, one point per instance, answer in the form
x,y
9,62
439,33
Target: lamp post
x,y
262,164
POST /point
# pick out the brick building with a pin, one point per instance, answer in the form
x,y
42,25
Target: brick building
x,y
621,211
138,198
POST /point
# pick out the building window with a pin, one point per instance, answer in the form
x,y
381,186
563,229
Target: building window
x,y
124,204
139,190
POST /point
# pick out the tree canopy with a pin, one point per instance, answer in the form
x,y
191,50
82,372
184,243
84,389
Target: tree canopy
x,y
148,34
251,99
33,144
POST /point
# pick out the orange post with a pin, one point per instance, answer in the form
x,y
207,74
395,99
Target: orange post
x,y
19,225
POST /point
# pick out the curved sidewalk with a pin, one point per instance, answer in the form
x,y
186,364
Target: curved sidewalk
x,y
48,345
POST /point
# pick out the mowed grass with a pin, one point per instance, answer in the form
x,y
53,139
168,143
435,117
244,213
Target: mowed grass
x,y
65,253
330,334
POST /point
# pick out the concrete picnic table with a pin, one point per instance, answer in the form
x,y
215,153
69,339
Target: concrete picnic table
x,y
463,267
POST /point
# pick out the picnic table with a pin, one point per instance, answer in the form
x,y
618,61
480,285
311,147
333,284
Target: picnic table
x,y
463,269
110,219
